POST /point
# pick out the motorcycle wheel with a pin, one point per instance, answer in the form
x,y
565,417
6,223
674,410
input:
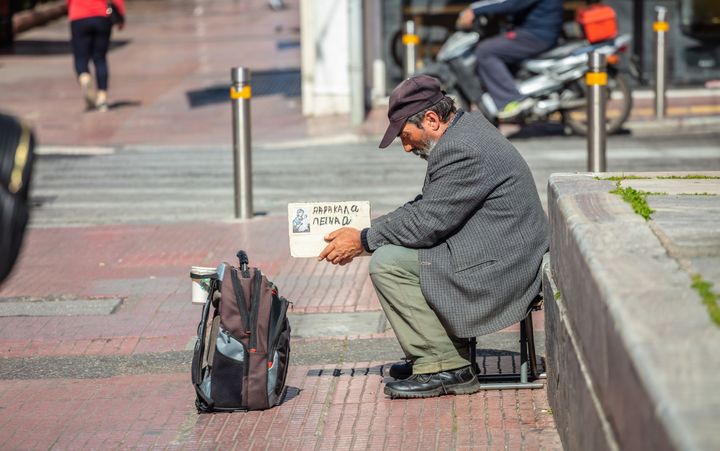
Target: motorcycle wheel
x,y
618,106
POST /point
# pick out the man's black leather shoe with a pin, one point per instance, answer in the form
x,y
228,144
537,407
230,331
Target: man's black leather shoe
x,y
461,381
401,370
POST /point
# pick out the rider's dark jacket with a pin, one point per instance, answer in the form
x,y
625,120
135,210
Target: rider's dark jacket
x,y
542,18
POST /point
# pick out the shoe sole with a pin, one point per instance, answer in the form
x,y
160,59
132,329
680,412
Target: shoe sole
x,y
466,388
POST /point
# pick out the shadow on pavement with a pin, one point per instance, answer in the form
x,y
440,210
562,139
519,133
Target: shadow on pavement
x,y
264,83
490,361
539,130
547,130
124,104
290,394
36,47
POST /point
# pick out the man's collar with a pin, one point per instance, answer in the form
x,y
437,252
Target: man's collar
x,y
455,119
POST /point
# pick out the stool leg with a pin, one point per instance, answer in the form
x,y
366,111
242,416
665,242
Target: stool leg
x,y
531,346
472,344
523,353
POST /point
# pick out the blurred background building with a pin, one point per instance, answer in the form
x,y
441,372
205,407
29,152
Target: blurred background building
x,y
694,40
332,79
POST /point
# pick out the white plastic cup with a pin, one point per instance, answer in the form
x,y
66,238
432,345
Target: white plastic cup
x,y
201,277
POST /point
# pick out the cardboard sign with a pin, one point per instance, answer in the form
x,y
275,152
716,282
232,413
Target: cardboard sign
x,y
309,222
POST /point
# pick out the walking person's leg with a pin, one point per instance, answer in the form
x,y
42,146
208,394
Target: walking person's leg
x,y
100,46
495,54
81,42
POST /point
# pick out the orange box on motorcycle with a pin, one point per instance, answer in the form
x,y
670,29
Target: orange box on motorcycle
x,y
598,22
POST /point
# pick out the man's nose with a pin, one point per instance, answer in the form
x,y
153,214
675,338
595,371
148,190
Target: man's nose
x,y
407,147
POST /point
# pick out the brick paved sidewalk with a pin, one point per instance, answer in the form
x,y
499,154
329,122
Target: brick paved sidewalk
x,y
99,382
148,268
121,380
326,408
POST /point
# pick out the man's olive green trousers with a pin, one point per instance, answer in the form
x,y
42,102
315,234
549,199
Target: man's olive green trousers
x,y
395,273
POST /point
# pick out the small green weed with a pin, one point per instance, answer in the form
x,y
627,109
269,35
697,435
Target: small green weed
x,y
557,295
688,177
636,199
709,298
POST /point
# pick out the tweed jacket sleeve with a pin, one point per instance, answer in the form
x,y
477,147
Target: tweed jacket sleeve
x,y
453,192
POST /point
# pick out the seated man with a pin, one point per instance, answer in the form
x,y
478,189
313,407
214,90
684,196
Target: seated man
x,y
463,258
536,27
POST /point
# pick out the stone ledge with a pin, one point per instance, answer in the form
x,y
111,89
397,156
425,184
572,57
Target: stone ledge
x,y
648,343
570,390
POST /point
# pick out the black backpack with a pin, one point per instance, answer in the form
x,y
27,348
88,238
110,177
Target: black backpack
x,y
16,161
242,353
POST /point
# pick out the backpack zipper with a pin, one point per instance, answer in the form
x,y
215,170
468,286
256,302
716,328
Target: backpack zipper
x,y
272,342
254,308
240,298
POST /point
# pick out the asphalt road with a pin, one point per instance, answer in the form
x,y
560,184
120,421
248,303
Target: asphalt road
x,y
159,185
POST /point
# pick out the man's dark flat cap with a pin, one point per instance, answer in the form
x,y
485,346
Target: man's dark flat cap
x,y
410,97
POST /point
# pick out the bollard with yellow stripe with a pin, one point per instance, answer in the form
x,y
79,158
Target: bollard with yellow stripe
x,y
661,26
411,39
596,78
244,93
240,94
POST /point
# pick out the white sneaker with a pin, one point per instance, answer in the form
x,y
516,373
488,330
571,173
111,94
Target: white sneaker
x,y
514,108
88,89
101,101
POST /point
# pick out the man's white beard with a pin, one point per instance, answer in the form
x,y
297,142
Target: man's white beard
x,y
423,150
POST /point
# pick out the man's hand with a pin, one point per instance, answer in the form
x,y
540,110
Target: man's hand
x,y
344,245
465,20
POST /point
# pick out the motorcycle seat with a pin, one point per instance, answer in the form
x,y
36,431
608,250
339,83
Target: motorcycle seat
x,y
561,51
547,60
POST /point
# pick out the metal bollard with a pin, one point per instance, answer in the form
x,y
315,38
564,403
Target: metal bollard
x,y
410,40
356,69
240,93
596,80
660,27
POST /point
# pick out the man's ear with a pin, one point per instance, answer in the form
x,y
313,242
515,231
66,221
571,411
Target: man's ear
x,y
432,120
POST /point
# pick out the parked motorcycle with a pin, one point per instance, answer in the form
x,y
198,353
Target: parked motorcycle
x,y
554,79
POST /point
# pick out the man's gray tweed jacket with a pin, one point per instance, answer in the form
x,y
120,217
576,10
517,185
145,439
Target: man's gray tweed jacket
x,y
479,228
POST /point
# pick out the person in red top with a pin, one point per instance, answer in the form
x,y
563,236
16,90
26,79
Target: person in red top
x,y
90,29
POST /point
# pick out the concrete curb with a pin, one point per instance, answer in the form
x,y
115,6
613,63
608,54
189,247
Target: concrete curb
x,y
645,337
672,126
567,367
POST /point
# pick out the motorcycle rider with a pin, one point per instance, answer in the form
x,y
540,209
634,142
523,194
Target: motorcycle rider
x,y
536,25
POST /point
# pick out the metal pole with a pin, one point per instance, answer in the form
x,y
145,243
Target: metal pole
x,y
357,84
638,38
411,40
660,27
596,80
240,93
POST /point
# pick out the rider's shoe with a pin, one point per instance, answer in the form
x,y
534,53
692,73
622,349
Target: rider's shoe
x,y
515,108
